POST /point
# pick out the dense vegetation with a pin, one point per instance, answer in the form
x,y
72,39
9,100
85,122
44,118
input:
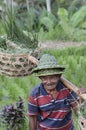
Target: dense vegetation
x,y
27,22
65,21
74,59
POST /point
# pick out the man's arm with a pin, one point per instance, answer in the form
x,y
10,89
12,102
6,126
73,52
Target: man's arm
x,y
32,122
76,110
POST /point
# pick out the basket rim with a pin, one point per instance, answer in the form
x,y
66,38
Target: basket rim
x,y
14,54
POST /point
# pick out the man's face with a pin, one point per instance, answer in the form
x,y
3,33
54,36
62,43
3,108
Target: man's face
x,y
50,82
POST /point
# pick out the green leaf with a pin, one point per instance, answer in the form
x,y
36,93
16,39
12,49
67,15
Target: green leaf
x,y
65,22
47,22
83,25
62,12
79,16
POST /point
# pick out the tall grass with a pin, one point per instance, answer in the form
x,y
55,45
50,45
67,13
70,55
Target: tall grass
x,y
74,59
2,31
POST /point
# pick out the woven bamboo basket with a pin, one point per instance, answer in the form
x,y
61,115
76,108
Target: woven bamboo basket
x,y
17,60
82,117
81,123
16,65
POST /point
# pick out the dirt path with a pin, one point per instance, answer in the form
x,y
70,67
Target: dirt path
x,y
58,45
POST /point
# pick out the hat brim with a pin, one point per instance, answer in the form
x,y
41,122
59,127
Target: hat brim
x,y
49,71
48,67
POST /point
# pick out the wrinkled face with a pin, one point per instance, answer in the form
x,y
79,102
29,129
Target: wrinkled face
x,y
50,82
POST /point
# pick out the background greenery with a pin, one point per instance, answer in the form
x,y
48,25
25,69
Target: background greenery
x,y
74,59
65,22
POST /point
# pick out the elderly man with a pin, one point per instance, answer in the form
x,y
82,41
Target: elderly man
x,y
51,103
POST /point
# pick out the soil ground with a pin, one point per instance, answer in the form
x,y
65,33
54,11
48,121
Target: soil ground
x,y
59,44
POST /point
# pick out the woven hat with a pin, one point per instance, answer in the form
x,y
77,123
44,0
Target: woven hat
x,y
48,66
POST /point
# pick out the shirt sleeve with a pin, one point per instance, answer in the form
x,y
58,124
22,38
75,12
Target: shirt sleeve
x,y
32,106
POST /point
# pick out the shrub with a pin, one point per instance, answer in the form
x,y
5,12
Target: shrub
x,y
13,116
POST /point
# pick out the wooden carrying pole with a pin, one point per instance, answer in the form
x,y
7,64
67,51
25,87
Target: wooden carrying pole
x,y
72,87
67,83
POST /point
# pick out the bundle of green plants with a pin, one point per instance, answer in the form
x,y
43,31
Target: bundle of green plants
x,y
13,116
7,46
15,32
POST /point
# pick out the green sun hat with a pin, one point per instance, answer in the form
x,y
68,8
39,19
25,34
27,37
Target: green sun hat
x,y
48,66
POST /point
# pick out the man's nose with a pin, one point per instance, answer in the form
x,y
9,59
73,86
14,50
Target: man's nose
x,y
48,80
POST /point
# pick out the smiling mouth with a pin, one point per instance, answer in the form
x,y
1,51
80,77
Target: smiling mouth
x,y
50,85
